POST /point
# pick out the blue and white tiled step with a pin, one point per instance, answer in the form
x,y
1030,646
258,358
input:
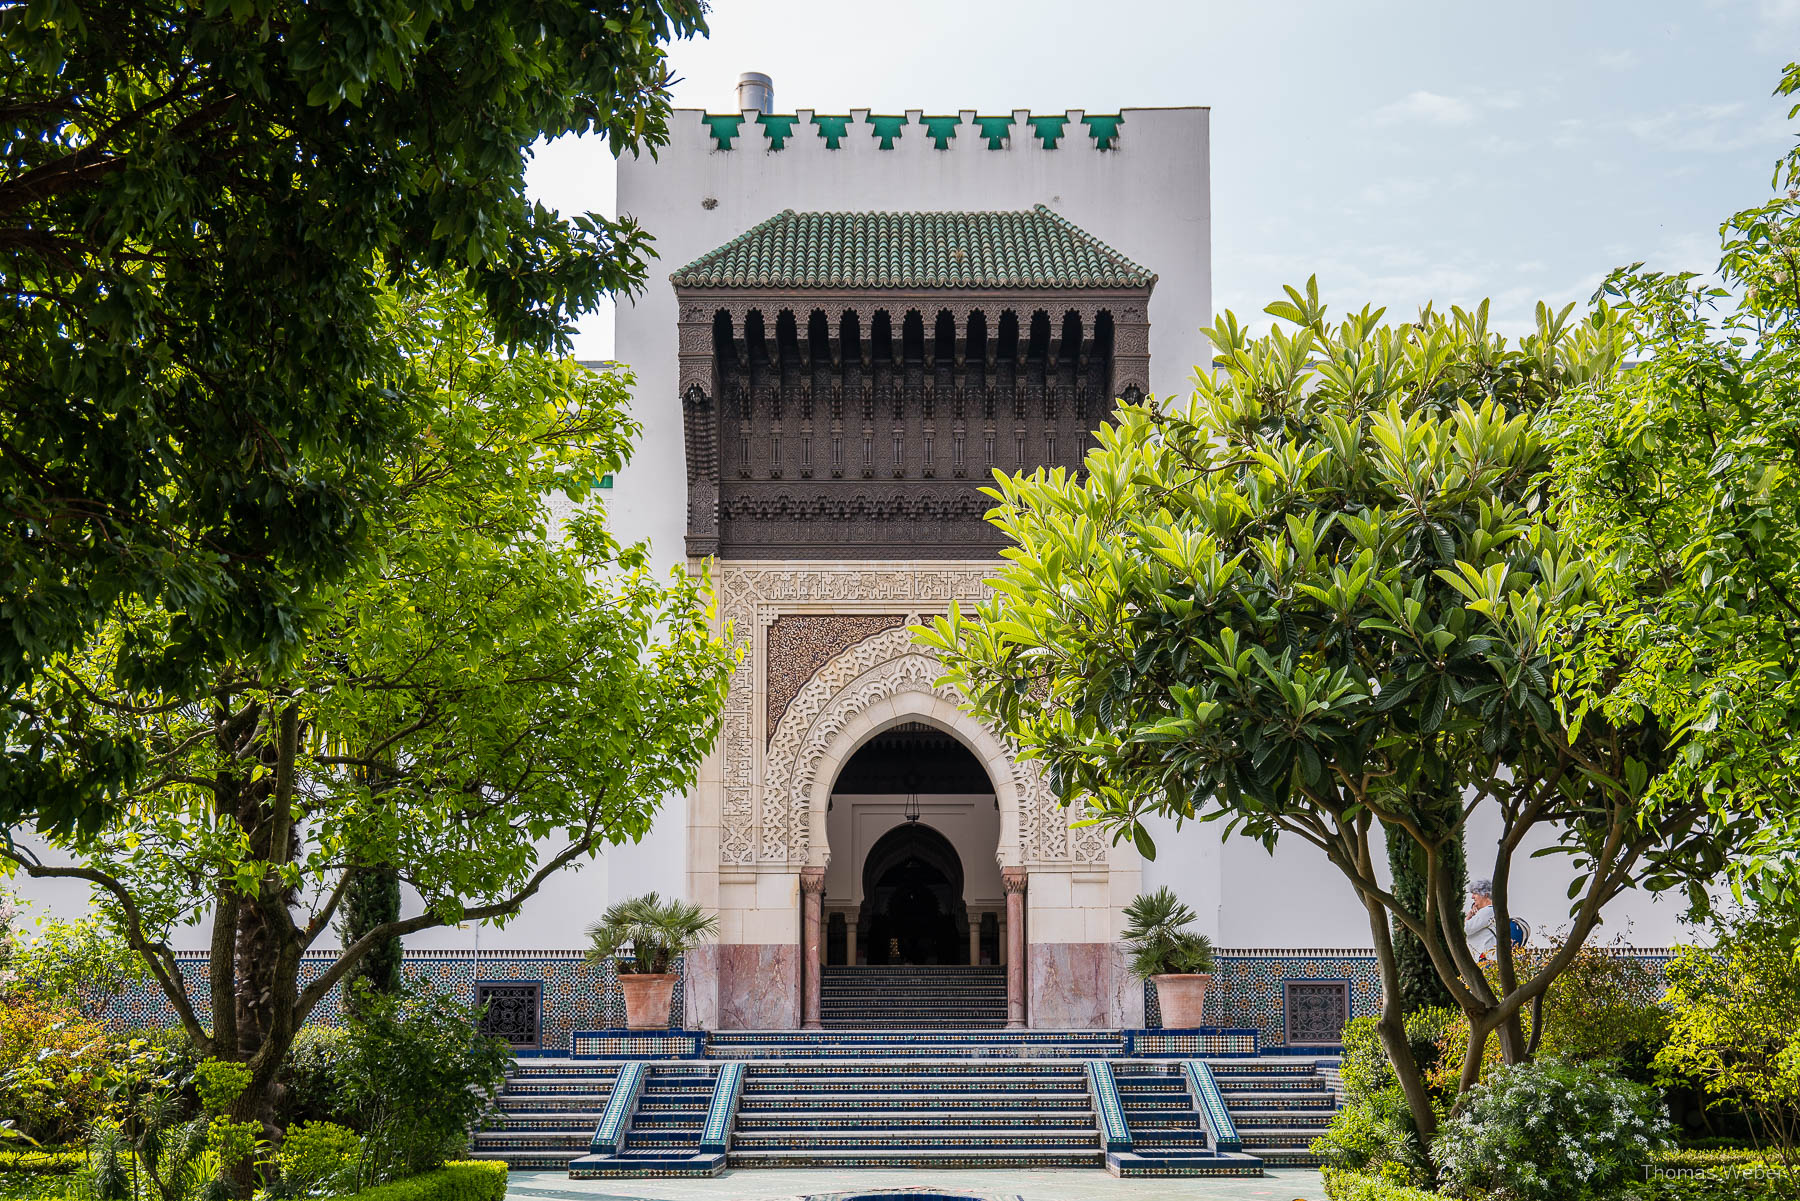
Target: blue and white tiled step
x,y
936,1113
1280,1104
904,1043
545,1113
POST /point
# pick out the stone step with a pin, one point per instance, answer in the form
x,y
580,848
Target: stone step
x,y
982,1157
590,1103
892,1103
864,1140
545,1121
923,1120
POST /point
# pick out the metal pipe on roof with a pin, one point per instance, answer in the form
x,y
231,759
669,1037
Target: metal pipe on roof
x,y
756,91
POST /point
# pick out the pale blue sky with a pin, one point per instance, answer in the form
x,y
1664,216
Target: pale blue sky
x,y
1403,151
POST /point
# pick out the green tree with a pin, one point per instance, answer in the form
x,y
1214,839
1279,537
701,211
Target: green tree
x,y
1319,602
492,697
371,901
198,203
1735,1026
1683,476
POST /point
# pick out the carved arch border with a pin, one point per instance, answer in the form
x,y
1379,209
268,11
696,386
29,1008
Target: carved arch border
x,y
761,822
876,684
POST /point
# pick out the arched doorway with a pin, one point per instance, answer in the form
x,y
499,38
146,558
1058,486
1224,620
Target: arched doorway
x,y
913,911
914,895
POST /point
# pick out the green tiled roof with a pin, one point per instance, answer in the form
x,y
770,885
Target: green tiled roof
x,y
1032,249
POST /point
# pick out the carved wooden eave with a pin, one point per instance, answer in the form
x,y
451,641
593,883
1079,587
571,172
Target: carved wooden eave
x,y
920,496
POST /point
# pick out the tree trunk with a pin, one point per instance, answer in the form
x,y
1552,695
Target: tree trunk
x,y
1420,985
371,900
1392,1027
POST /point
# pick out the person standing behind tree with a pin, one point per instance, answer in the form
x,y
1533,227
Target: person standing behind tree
x,y
1479,927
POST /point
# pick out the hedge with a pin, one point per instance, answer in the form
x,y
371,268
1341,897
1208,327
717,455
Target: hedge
x,y
1715,1157
1344,1185
464,1180
47,1162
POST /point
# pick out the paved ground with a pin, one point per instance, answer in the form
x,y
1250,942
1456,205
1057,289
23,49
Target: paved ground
x,y
1283,1184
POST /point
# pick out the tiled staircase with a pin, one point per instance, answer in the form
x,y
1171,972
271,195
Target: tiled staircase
x,y
905,1043
545,1113
941,1113
1160,1112
940,997
1279,1104
931,1098
670,1112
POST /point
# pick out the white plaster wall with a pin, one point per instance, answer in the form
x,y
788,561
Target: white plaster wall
x,y
1247,897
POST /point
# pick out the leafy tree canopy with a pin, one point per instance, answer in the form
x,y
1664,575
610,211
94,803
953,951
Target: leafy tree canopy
x,y
197,204
1321,600
492,695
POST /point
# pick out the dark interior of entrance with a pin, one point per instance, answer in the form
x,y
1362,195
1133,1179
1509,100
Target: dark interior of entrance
x,y
913,909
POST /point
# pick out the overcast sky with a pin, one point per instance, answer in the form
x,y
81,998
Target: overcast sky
x,y
1404,152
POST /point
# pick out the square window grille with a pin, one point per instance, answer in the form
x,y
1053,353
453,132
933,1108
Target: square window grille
x,y
1315,1011
515,1011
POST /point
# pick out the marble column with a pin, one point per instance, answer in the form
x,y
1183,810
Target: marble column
x,y
1013,880
812,924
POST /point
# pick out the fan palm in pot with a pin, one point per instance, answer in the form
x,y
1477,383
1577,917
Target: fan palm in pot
x,y
1168,954
643,936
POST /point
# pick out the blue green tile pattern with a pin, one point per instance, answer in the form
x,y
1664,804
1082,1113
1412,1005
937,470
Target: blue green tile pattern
x,y
1212,1106
610,1131
1036,248
1105,1092
716,1134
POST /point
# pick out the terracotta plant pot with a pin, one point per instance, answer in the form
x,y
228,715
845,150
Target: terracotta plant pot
x,y
1180,998
647,998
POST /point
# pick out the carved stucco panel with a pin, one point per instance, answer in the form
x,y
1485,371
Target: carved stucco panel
x,y
767,774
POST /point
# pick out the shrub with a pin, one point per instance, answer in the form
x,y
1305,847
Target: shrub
x,y
1736,1028
42,1161
419,1075
312,1079
318,1158
1343,1185
468,1180
1550,1131
83,964
53,1068
1374,1133
1604,1007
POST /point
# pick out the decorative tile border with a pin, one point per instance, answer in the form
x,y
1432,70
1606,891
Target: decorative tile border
x,y
576,995
637,1044
1105,1092
1247,995
1211,1103
1210,1041
715,1135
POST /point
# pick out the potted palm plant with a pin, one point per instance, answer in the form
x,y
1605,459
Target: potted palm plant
x,y
1168,954
643,936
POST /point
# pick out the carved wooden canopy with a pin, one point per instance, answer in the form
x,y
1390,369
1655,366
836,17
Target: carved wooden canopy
x,y
840,423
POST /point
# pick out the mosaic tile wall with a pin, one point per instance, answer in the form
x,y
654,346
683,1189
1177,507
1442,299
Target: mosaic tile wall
x,y
576,995
1246,989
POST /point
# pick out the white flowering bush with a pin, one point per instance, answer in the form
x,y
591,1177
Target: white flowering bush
x,y
1550,1131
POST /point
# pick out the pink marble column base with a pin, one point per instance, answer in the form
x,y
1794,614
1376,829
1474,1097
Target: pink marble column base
x,y
1072,986
759,987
